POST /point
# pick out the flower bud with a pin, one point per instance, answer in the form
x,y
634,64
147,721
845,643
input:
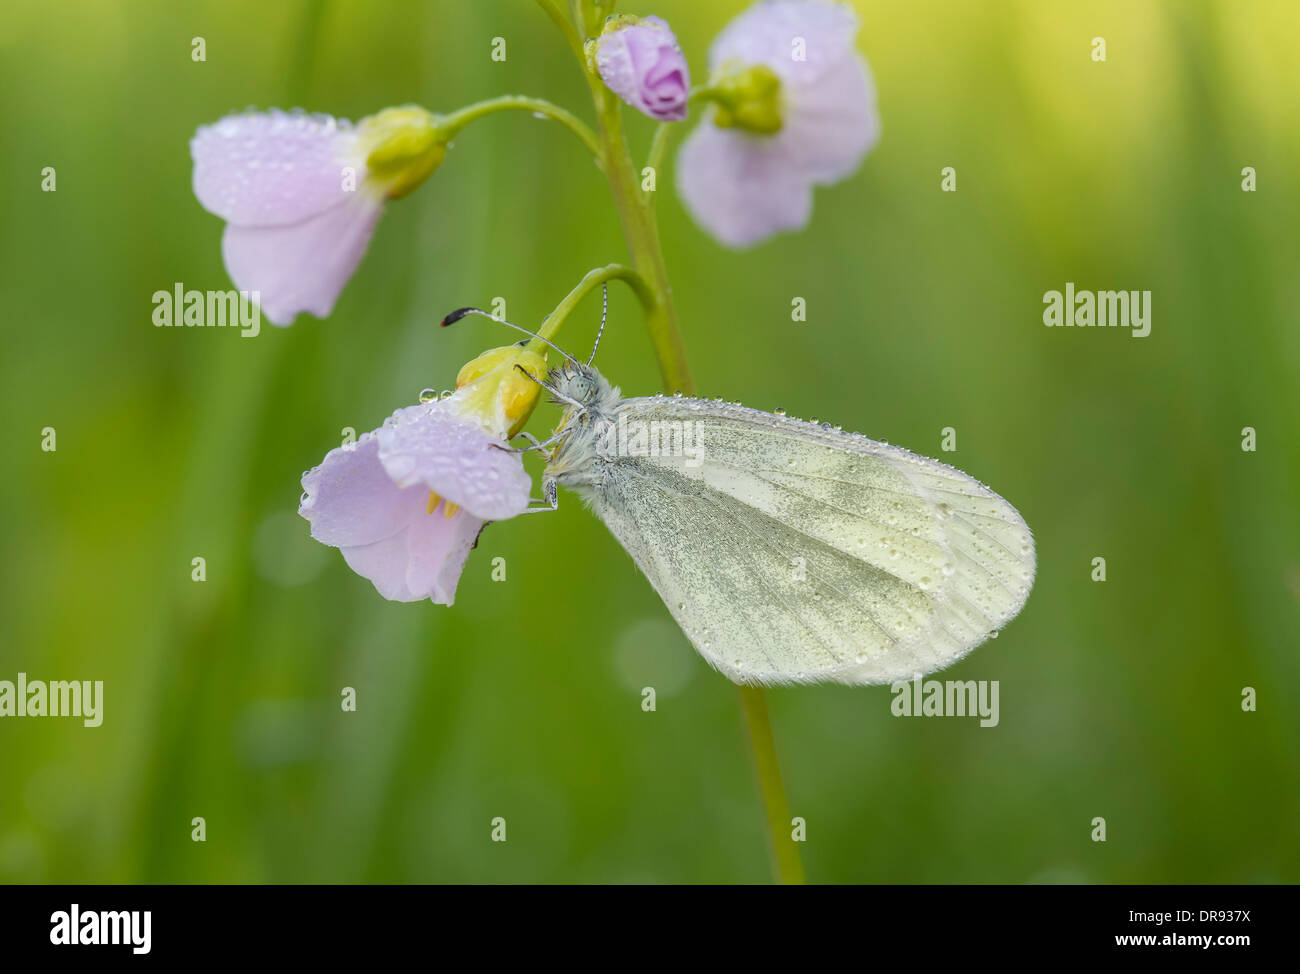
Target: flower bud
x,y
748,99
500,396
639,60
402,147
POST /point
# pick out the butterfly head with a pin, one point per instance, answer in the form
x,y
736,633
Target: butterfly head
x,y
579,386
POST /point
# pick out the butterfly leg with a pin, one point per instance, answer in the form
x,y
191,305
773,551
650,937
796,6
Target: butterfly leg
x,y
550,500
535,444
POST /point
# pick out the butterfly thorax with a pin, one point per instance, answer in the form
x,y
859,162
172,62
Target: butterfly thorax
x,y
592,405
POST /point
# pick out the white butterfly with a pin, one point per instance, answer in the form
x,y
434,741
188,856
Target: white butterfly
x,y
791,552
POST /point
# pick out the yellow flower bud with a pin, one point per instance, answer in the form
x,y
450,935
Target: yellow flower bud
x,y
749,99
500,396
402,147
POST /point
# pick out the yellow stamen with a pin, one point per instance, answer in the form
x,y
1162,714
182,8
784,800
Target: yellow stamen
x,y
449,510
434,501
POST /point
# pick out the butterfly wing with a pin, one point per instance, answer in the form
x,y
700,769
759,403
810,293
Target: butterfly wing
x,y
795,553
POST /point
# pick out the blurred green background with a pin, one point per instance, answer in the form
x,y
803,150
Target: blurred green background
x,y
1118,699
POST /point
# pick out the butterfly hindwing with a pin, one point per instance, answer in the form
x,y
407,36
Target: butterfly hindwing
x,y
792,552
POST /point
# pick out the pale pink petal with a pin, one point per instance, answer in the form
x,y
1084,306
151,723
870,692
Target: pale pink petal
x,y
302,267
767,33
383,526
350,500
438,547
273,168
385,563
831,125
433,446
740,187
743,187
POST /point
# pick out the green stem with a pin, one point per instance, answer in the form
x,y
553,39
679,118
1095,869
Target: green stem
x,y
450,125
641,231
636,214
553,10
593,278
785,854
658,146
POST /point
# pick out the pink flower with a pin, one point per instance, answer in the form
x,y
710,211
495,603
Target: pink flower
x,y
301,195
641,63
794,107
406,502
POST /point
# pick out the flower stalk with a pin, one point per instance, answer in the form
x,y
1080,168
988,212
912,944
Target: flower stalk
x,y
641,231
590,281
449,126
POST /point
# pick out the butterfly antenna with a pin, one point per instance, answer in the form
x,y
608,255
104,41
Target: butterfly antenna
x,y
604,312
460,313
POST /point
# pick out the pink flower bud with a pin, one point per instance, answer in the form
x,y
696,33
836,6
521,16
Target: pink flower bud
x,y
642,64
